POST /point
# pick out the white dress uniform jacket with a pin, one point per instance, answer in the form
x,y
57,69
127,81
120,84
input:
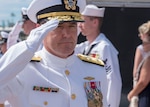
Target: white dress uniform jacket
x,y
1,55
106,51
52,82
6,104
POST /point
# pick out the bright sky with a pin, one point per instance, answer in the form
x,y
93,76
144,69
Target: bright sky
x,y
7,7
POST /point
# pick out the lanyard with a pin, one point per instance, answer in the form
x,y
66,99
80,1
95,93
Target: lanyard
x,y
87,53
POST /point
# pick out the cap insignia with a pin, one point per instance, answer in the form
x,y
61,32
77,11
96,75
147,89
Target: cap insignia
x,y
70,4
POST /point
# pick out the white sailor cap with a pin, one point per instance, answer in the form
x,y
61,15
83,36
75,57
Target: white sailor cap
x,y
3,37
24,14
93,10
64,10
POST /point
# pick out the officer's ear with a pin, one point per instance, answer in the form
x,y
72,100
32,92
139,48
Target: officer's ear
x,y
95,21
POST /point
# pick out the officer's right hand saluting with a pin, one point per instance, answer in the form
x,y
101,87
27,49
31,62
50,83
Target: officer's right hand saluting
x,y
37,35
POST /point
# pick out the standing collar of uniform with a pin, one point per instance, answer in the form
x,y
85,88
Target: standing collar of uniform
x,y
53,60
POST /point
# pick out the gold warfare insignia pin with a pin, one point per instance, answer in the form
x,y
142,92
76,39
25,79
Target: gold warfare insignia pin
x,y
89,78
70,4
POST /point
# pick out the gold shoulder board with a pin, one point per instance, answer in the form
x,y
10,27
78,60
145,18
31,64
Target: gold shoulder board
x,y
91,59
36,59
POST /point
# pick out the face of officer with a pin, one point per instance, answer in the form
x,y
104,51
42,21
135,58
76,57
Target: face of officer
x,y
3,47
27,26
61,41
90,26
86,26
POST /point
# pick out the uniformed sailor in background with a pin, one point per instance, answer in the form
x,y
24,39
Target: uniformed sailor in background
x,y
28,24
3,49
3,42
25,25
14,34
56,76
98,46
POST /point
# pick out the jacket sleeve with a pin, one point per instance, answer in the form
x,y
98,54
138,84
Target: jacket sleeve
x,y
14,61
110,58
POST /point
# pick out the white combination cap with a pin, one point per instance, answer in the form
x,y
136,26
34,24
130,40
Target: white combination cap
x,y
24,10
3,37
63,10
24,14
4,34
93,10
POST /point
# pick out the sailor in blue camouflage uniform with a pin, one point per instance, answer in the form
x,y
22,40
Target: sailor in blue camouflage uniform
x,y
55,76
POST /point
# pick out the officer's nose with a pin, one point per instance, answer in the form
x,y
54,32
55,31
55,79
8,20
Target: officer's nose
x,y
66,33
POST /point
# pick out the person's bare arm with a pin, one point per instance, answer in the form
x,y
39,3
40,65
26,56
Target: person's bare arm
x,y
143,80
137,59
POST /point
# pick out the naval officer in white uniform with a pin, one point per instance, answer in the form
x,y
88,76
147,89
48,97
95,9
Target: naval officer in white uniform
x,y
56,76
